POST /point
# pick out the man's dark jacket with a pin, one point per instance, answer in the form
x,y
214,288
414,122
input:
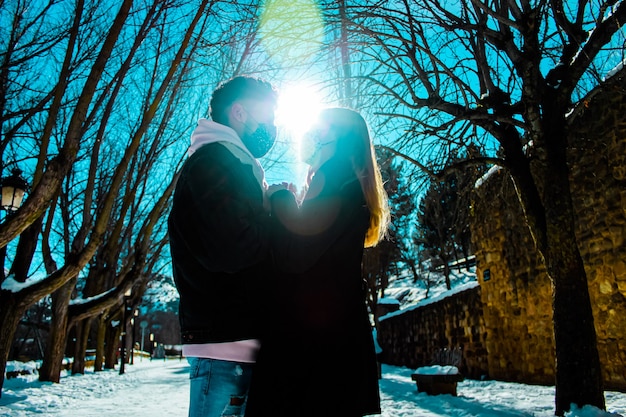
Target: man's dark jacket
x,y
219,241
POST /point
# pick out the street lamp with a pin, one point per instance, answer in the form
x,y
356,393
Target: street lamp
x,y
127,295
13,189
143,325
152,343
132,339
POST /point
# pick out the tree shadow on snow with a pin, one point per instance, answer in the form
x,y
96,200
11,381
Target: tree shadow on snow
x,y
7,399
403,390
446,405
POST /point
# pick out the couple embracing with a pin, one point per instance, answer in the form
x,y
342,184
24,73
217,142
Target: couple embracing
x,y
272,300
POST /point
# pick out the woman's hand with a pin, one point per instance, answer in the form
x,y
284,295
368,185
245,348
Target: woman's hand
x,y
282,186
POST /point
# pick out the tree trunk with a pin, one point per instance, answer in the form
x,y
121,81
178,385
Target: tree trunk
x,y
100,337
25,250
83,328
578,371
446,273
111,346
416,275
3,255
10,315
55,346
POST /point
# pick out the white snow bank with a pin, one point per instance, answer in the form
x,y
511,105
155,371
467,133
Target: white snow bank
x,y
437,370
453,291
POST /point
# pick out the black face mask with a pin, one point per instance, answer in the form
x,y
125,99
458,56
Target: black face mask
x,y
260,141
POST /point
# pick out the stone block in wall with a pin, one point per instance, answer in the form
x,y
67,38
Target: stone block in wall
x,y
622,196
616,151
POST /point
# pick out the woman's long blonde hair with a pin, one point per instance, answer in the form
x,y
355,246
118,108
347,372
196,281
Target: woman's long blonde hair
x,y
353,141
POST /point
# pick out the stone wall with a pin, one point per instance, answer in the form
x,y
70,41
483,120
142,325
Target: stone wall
x,y
411,337
505,325
516,292
598,158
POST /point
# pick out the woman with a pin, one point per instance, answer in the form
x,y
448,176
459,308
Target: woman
x,y
320,325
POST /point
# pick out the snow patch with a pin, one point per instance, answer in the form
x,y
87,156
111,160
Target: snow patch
x,y
10,284
456,290
480,181
437,370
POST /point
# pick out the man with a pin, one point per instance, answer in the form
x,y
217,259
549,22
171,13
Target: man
x,y
219,236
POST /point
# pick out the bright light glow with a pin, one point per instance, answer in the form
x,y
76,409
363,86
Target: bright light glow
x,y
298,107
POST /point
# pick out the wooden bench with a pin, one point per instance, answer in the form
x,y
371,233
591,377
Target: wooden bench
x,y
436,384
442,377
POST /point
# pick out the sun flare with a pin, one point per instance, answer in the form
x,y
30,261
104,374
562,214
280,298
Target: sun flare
x,y
297,110
298,107
291,31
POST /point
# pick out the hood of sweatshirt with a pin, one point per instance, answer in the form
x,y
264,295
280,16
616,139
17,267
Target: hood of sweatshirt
x,y
208,131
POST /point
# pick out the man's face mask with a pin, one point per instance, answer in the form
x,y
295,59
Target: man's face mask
x,y
261,140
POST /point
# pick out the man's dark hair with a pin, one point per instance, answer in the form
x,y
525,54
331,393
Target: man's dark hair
x,y
239,88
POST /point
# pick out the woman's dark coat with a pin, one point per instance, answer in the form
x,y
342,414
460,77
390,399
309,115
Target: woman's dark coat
x,y
319,357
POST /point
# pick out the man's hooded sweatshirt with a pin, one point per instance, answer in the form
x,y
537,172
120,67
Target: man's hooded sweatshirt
x,y
219,239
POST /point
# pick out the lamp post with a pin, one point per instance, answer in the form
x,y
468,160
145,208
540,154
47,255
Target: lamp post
x,y
127,295
152,343
13,189
132,338
143,325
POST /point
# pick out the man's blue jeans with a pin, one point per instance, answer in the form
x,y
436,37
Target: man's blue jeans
x,y
218,388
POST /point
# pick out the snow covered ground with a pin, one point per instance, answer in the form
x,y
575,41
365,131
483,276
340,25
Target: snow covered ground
x,y
159,388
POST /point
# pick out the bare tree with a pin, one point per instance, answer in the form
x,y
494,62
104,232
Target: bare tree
x,y
504,75
130,172
382,262
104,137
101,203
435,225
49,172
443,217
